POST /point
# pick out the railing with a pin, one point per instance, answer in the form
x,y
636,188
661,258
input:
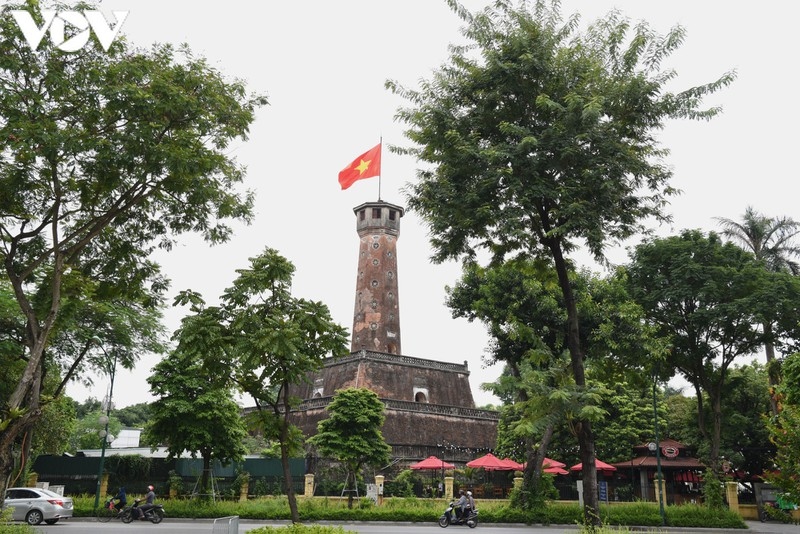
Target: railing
x,y
397,358
409,406
226,525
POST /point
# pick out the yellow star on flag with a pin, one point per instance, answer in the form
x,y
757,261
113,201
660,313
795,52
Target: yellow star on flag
x,y
363,166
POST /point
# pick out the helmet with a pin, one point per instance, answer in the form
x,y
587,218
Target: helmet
x,y
469,493
151,488
461,492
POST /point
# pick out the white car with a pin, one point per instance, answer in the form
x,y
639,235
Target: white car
x,y
34,505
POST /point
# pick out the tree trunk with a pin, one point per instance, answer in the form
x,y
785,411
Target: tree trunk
x,y
287,472
772,373
204,476
716,432
534,469
18,426
584,427
8,441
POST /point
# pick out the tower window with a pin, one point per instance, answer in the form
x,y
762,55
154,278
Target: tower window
x,y
392,215
376,213
362,215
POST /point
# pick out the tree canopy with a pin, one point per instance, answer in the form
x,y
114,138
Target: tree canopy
x,y
352,433
535,138
194,411
772,241
708,298
262,339
104,156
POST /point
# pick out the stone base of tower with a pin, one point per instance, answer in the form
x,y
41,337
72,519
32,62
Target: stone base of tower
x,y
429,404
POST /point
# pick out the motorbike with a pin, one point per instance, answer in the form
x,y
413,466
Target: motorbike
x,y
777,511
110,510
154,515
448,518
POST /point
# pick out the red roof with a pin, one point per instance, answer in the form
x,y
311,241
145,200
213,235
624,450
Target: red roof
x,y
647,462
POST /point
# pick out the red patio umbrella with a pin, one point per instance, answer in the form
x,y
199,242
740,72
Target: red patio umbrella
x,y
549,462
431,462
490,462
600,465
556,471
515,466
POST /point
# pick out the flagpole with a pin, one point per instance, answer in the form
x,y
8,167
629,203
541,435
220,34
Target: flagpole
x,y
380,176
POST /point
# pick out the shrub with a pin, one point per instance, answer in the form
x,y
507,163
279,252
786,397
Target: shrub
x,y
7,527
300,529
417,510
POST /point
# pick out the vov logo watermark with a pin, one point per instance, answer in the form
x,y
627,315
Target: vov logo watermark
x,y
82,24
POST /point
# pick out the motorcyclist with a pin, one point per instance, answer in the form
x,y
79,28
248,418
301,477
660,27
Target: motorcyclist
x,y
121,497
461,504
470,503
148,502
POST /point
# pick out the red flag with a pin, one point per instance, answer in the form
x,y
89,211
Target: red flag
x,y
366,165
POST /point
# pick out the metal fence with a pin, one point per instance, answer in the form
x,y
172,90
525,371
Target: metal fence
x,y
226,525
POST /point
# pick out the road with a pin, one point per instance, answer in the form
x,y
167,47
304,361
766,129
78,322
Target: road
x,y
186,526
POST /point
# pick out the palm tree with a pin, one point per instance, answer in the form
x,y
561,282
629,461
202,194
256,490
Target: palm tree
x,y
770,239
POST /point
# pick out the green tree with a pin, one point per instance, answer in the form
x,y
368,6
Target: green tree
x,y
85,434
771,240
628,421
536,138
194,410
135,415
264,339
784,431
708,298
745,404
519,303
352,433
82,409
106,155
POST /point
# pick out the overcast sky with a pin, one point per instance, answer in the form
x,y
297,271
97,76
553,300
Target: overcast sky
x,y
323,66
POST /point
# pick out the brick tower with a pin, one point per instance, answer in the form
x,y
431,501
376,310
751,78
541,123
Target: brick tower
x,y
376,315
428,403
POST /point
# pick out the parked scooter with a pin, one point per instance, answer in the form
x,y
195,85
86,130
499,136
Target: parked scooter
x,y
448,518
155,514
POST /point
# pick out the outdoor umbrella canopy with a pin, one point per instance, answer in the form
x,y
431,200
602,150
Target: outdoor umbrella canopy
x,y
549,462
515,466
490,462
600,465
431,462
556,471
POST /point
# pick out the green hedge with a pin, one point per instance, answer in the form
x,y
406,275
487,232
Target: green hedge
x,y
417,510
301,529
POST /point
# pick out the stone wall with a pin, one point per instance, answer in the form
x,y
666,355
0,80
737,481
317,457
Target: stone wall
x,y
418,430
393,377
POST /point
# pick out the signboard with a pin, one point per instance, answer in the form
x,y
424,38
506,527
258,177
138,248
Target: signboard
x,y
669,452
602,490
372,492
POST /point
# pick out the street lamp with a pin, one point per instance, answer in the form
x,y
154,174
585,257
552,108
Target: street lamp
x,y
658,450
104,419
